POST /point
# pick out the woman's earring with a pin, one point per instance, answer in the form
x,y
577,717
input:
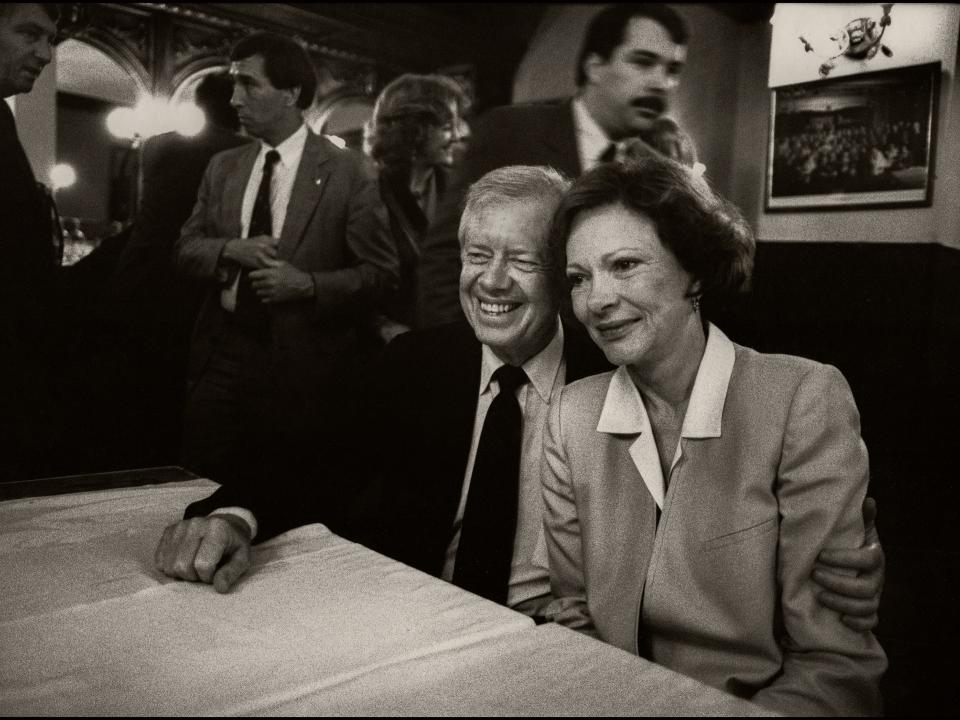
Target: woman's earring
x,y
696,303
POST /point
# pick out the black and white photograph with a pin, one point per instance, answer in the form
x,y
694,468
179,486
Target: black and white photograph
x,y
865,140
479,359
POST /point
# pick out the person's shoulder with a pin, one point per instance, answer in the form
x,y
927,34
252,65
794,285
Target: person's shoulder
x,y
525,113
587,393
443,344
580,405
221,139
231,155
344,158
764,372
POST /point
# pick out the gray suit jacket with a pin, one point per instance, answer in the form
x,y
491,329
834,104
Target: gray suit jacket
x,y
719,589
335,229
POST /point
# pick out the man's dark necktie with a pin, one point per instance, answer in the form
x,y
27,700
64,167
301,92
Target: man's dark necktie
x,y
610,154
250,310
490,516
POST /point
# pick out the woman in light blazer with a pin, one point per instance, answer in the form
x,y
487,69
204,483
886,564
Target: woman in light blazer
x,y
688,493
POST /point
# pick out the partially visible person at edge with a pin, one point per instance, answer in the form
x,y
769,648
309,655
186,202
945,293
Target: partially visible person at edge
x,y
30,245
414,133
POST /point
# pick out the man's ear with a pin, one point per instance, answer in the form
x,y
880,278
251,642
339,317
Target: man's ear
x,y
293,95
593,65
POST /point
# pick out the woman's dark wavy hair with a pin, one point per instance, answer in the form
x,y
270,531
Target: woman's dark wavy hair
x,y
707,234
407,109
285,62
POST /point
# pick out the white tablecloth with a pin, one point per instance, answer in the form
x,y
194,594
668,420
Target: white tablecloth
x,y
548,670
89,627
319,626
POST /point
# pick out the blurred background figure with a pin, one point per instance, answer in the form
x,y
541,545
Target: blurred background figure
x,y
416,134
666,138
153,306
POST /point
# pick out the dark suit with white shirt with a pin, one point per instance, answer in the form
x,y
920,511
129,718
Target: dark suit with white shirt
x,y
393,478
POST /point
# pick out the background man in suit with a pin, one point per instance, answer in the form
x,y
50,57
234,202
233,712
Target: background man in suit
x,y
628,67
429,405
30,262
288,235
156,306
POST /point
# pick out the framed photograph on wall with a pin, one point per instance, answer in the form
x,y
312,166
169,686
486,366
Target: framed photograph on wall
x,y
855,141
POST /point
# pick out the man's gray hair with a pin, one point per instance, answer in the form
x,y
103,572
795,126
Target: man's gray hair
x,y
511,185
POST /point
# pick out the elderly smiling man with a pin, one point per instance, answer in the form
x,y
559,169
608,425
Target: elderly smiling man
x,y
451,483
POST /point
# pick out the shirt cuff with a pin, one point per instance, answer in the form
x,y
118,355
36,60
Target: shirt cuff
x,y
241,513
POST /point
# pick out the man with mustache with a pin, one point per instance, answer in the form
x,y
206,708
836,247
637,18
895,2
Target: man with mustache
x,y
628,66
27,233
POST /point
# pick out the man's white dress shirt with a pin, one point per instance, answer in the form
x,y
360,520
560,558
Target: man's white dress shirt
x,y
281,187
529,583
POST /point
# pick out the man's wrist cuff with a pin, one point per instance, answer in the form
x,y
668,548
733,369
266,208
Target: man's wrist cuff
x,y
241,513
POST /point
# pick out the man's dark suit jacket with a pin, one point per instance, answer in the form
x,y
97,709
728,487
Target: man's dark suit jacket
x,y
408,225
28,274
533,134
393,480
29,260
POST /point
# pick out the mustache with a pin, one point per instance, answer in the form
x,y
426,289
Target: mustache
x,y
650,102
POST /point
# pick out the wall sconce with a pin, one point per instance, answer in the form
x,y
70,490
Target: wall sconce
x,y
153,116
62,176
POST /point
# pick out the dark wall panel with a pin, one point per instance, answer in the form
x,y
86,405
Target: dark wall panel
x,y
888,316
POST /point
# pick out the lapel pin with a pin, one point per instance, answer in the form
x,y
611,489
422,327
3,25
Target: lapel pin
x,y
318,181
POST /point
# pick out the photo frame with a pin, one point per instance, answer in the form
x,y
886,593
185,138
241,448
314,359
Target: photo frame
x,y
866,140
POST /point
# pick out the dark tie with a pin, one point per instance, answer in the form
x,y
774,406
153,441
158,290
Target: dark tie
x,y
490,516
250,310
610,154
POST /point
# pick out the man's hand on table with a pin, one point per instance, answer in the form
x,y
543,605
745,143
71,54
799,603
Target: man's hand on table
x,y
213,549
855,597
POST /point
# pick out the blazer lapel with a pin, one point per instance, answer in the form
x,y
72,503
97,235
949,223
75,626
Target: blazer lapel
x,y
454,407
234,188
636,511
308,188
